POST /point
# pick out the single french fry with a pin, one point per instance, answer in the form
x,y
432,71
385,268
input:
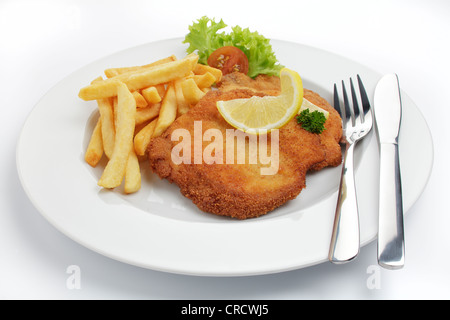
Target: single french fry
x,y
151,95
147,114
204,80
191,92
183,105
143,137
112,72
132,174
94,151
99,78
106,109
140,100
168,112
202,69
126,111
140,79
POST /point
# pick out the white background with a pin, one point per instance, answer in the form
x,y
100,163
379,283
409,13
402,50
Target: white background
x,y
41,42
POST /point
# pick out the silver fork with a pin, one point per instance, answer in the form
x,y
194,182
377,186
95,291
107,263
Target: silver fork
x,y
356,124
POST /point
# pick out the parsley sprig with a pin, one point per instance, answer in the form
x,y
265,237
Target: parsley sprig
x,y
312,121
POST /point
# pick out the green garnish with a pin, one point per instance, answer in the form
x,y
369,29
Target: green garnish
x,y
312,121
204,37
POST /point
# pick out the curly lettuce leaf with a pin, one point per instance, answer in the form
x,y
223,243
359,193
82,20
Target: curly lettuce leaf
x,y
204,37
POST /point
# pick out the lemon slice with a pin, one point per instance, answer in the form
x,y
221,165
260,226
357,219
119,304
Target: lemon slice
x,y
312,107
263,114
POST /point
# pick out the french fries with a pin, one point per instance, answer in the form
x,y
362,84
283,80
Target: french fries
x,y
191,91
141,78
132,174
168,112
137,104
140,100
147,114
112,72
183,105
106,108
143,137
202,69
94,150
126,111
151,94
205,80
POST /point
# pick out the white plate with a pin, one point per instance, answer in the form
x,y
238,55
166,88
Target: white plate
x,y
157,228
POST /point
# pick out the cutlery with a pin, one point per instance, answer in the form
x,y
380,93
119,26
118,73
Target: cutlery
x,y
388,113
356,124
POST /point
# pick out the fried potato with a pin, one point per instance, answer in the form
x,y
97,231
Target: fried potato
x,y
151,95
183,105
202,69
126,112
132,174
99,78
143,137
112,72
191,92
204,80
94,151
168,111
140,79
147,114
161,89
140,100
106,109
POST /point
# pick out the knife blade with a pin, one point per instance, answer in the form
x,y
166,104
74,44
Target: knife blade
x,y
388,114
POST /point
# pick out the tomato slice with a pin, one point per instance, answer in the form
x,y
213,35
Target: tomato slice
x,y
229,59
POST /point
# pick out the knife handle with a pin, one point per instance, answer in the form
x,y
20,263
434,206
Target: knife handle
x,y
345,239
391,244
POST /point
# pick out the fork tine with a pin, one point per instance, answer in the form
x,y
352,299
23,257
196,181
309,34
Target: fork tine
x,y
348,113
364,99
356,107
337,105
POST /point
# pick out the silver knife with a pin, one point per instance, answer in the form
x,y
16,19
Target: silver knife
x,y
388,114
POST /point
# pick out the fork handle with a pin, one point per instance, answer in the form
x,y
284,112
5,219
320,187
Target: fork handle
x,y
345,239
391,244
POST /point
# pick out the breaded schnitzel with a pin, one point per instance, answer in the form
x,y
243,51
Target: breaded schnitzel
x,y
240,190
269,85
